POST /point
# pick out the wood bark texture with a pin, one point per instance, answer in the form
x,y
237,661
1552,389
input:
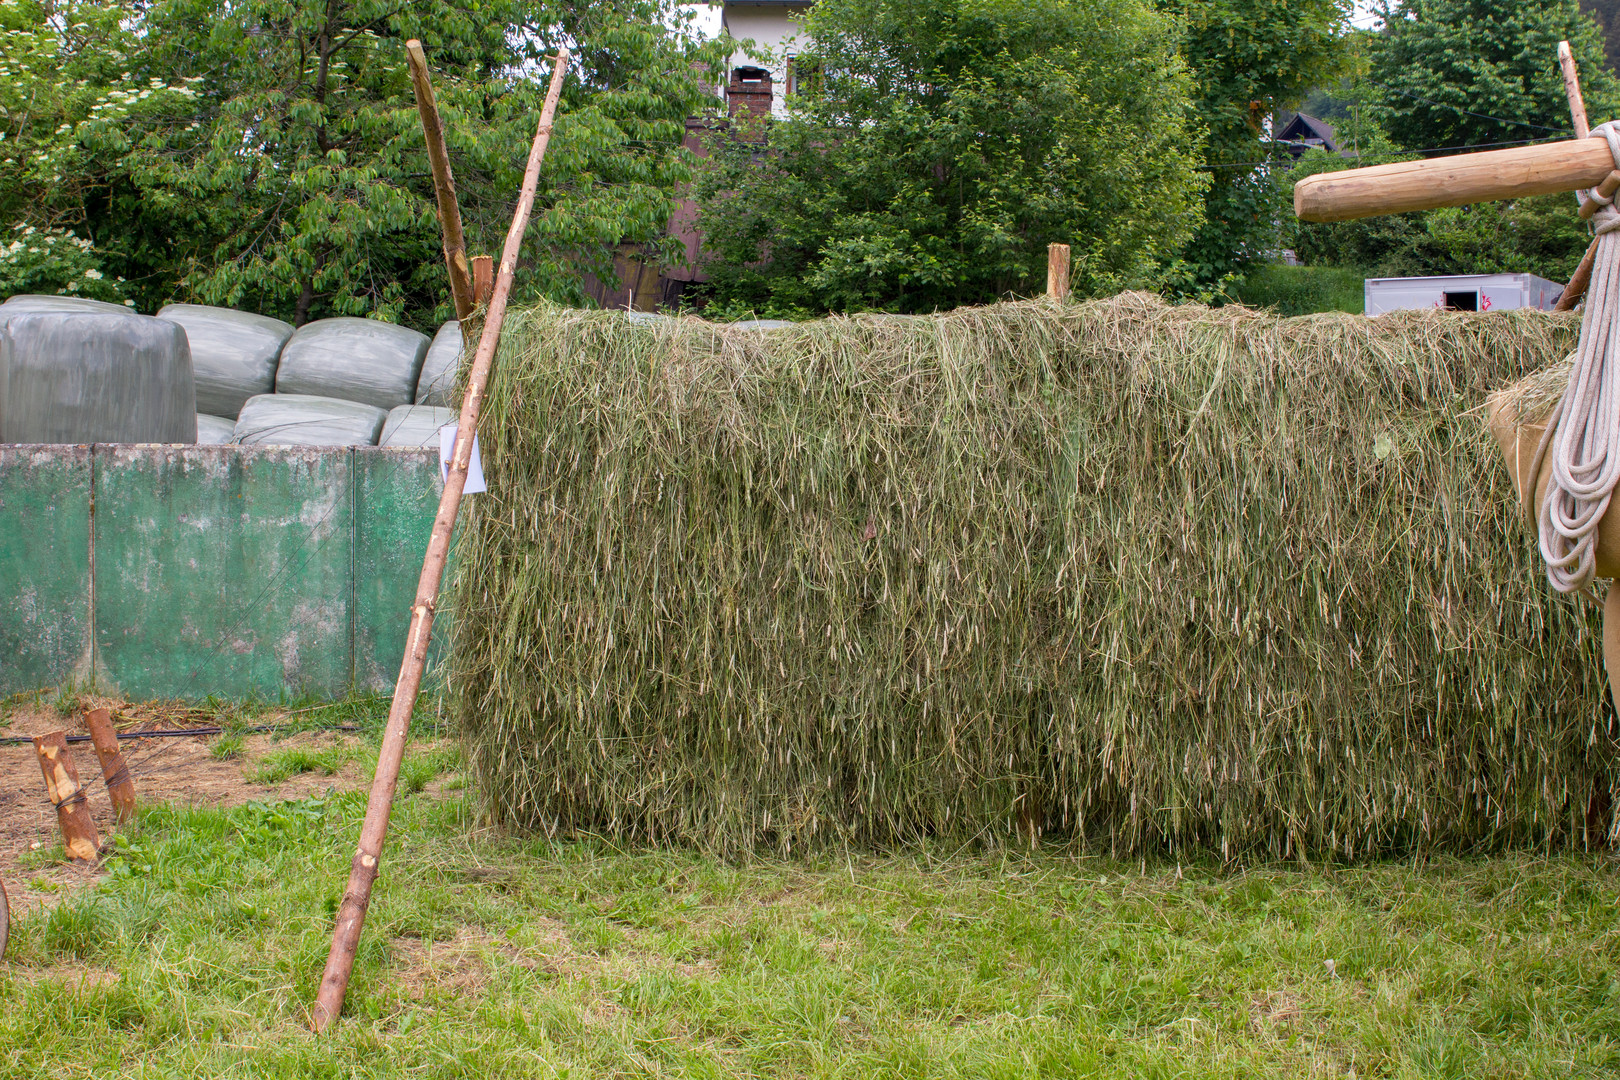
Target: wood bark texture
x,y
444,185
114,770
79,833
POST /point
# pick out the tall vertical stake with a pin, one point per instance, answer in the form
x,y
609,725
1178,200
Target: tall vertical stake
x,y
1582,277
79,834
351,915
114,770
1057,271
444,185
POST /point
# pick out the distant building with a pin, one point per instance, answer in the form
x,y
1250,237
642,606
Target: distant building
x,y
761,84
1302,133
1461,292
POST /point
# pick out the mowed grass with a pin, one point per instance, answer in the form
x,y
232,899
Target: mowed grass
x,y
492,956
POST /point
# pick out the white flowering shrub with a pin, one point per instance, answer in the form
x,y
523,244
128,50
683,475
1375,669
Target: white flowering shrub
x,y
55,262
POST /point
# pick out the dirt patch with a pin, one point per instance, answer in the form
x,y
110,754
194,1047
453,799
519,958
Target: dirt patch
x,y
456,966
179,770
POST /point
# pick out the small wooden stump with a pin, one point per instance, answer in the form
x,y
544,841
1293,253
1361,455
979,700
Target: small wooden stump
x,y
114,770
1057,271
79,834
483,279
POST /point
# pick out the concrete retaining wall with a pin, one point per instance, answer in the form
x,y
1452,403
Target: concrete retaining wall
x,y
185,571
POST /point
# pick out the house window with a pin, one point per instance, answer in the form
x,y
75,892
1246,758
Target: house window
x,y
803,76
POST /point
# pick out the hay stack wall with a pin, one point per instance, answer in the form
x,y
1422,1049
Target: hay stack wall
x,y
1159,577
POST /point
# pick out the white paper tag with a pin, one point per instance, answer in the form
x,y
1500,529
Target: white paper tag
x,y
447,451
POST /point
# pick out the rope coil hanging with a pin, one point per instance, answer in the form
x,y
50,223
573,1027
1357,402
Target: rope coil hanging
x,y
1583,431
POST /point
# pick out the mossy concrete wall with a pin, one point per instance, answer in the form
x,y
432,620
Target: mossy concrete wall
x,y
185,571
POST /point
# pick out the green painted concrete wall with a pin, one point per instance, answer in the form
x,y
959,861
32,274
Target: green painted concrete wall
x,y
185,571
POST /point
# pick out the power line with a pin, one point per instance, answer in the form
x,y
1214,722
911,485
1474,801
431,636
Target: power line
x,y
1391,153
1466,112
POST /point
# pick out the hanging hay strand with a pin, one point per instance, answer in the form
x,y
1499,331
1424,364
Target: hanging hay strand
x,y
1157,577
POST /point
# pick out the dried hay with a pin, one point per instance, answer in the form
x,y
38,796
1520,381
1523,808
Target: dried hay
x,y
1156,577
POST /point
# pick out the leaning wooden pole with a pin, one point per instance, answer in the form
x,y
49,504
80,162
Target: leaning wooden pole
x,y
444,185
79,835
114,769
351,914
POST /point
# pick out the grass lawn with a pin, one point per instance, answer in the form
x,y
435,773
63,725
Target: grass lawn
x,y
198,953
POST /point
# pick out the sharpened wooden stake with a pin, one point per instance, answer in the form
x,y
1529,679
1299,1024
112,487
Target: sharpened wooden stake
x,y
351,915
444,185
79,834
1057,271
483,278
1572,90
1582,277
114,771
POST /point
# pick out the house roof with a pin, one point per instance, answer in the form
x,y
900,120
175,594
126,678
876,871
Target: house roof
x,y
1304,128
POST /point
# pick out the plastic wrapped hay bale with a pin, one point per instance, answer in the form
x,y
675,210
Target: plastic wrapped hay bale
x,y
415,425
353,359
233,354
27,303
70,377
440,367
214,430
305,420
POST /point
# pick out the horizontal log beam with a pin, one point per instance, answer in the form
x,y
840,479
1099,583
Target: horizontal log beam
x,y
1453,181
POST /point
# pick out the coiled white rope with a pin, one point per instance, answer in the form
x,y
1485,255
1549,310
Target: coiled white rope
x,y
1584,429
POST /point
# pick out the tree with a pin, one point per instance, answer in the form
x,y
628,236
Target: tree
x,y
1249,59
1476,72
1606,13
272,159
948,142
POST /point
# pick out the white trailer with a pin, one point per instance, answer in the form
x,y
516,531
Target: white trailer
x,y
1461,292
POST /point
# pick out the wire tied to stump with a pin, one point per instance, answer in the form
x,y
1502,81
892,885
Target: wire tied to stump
x,y
119,776
1583,431
74,799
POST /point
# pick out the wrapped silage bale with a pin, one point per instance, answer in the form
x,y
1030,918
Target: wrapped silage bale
x,y
80,377
214,430
441,365
233,354
28,303
306,420
415,425
363,360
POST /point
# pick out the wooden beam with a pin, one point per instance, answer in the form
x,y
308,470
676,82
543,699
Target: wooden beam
x,y
351,915
1453,181
62,785
483,278
1057,271
444,185
114,770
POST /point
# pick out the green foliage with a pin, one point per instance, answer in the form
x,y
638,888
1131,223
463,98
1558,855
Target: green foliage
x,y
267,154
1250,58
1606,13
949,143
1302,290
1472,72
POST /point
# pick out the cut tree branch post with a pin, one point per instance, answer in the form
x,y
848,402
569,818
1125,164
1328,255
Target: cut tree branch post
x,y
1582,277
62,785
1453,181
1057,271
351,914
1572,90
483,278
444,185
114,770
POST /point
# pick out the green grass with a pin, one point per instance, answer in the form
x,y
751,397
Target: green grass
x,y
491,956
1302,290
274,766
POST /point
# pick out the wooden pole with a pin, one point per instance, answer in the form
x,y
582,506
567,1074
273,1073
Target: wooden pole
x,y
114,771
1582,277
444,185
1572,90
351,913
1057,271
79,834
1453,181
483,278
